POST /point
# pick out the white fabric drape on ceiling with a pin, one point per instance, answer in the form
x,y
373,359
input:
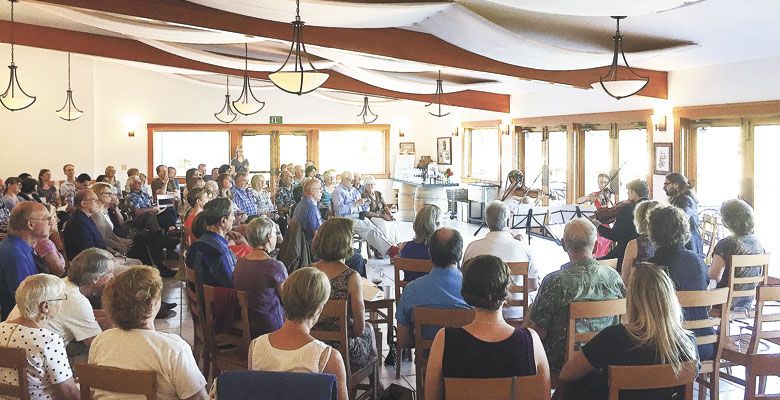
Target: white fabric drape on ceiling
x,y
594,8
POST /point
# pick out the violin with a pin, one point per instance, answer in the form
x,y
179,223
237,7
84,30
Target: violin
x,y
607,215
524,191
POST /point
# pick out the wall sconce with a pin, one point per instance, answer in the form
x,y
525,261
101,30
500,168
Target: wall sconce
x,y
131,133
400,133
659,122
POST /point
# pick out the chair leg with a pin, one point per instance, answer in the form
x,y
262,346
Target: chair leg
x,y
398,360
715,385
378,338
419,381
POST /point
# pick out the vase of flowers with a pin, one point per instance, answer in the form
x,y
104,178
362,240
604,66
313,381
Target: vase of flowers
x,y
448,173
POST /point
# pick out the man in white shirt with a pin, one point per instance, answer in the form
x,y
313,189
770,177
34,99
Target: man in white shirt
x,y
499,242
88,274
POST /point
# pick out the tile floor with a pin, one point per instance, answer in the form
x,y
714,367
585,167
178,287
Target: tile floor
x,y
547,255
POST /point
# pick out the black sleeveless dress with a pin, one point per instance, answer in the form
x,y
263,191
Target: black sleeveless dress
x,y
465,356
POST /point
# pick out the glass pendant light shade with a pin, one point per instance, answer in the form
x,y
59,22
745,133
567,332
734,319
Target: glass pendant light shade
x,y
247,103
366,116
629,83
226,114
14,98
298,81
69,111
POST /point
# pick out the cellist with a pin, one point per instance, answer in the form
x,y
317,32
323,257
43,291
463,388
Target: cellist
x,y
604,197
623,231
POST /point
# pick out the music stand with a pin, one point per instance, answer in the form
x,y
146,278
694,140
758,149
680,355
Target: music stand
x,y
565,213
530,217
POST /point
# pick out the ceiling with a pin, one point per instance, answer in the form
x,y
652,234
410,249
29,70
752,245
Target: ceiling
x,y
486,49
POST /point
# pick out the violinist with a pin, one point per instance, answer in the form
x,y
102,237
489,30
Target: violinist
x,y
604,197
623,231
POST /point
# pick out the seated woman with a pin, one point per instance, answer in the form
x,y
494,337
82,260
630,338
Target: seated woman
x,y
262,277
425,223
604,197
49,258
47,188
210,256
13,186
332,245
642,248
196,198
738,218
378,211
132,299
488,347
670,231
39,298
328,186
264,204
651,334
29,190
292,348
116,245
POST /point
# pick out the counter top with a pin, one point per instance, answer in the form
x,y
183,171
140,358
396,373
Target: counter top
x,y
420,183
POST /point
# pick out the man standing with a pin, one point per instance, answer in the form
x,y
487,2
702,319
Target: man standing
x,y
243,198
348,203
80,232
624,230
28,223
681,196
581,279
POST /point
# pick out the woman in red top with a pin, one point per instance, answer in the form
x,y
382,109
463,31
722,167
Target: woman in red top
x,y
604,197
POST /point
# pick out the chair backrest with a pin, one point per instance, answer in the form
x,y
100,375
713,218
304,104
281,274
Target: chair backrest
x,y
408,264
335,310
588,310
518,269
267,385
765,326
165,201
195,306
709,234
514,388
761,365
610,262
740,263
15,359
637,377
437,317
708,298
116,380
240,334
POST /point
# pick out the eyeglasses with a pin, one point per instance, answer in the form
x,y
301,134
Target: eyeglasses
x,y
63,298
108,193
40,219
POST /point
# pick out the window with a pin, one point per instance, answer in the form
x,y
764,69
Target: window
x,y
364,151
597,158
257,149
719,164
633,157
558,164
184,150
292,149
534,159
484,152
766,139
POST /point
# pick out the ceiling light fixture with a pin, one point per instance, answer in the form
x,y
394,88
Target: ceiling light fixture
x,y
14,98
226,114
366,115
69,111
625,86
298,81
247,103
438,97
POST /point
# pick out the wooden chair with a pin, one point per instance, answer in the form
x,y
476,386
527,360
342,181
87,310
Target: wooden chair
x,y
165,201
199,348
239,335
740,262
709,234
709,374
762,365
651,377
116,380
516,307
338,309
514,388
412,265
436,317
381,312
15,359
587,310
610,262
736,354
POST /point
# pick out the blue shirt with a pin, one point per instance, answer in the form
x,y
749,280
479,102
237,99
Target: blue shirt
x,y
212,260
80,234
245,201
440,288
344,199
308,216
16,263
139,200
416,251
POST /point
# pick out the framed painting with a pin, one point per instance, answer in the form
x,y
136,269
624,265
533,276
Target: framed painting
x,y
663,158
444,150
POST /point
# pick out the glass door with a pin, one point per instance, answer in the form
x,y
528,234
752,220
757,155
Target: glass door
x,y
597,158
558,164
633,157
257,149
766,141
293,148
719,158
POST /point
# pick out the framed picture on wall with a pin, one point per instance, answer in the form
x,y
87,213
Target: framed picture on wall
x,y
406,148
444,150
663,158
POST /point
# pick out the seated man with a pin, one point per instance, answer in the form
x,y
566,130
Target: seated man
x,y
440,288
284,200
163,184
146,215
243,197
499,242
210,256
581,279
348,203
80,232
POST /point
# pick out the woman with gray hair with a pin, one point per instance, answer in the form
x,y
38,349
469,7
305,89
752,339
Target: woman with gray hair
x,y
642,248
49,376
738,218
378,211
262,277
425,223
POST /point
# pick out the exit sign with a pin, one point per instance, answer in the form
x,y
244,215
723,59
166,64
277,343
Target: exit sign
x,y
276,119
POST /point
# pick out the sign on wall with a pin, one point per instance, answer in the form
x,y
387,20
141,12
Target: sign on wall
x,y
276,119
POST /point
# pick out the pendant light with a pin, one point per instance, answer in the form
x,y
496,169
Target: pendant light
x,y
226,114
14,98
298,81
69,111
624,86
247,103
438,97
366,115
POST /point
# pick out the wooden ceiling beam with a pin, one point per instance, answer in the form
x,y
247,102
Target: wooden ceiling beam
x,y
389,42
132,50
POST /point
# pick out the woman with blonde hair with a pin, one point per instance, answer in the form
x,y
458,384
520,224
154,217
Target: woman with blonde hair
x,y
642,248
652,333
425,223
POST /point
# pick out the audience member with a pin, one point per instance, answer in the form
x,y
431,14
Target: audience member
x,y
441,288
311,171
145,185
243,198
81,232
196,198
357,182
163,184
25,175
13,186
116,187
132,299
116,244
262,277
425,224
27,225
669,230
500,242
210,256
130,173
203,174
623,230
49,375
146,215
306,212
333,245
738,218
173,181
292,348
46,187
29,190
488,347
642,248
284,199
48,257
82,182
680,195
581,279
239,163
5,213
378,212
262,198
68,186
298,175
327,193
214,174
651,334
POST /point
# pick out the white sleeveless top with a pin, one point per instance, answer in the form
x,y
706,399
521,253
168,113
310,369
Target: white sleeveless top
x,y
311,357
